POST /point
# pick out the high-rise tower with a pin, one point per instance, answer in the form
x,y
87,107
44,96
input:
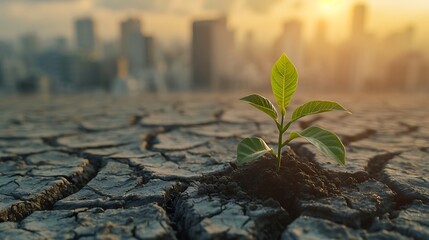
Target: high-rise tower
x,y
212,54
358,20
86,36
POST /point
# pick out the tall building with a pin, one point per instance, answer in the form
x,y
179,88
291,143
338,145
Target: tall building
x,y
53,64
408,72
212,54
358,20
60,44
249,47
176,60
30,47
399,42
86,36
149,43
13,70
29,44
291,42
319,63
355,63
6,51
133,48
138,56
321,31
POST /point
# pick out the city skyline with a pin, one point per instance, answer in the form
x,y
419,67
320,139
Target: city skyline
x,y
245,15
214,59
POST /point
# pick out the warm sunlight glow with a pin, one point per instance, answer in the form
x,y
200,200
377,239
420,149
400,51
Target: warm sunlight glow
x,y
61,46
329,6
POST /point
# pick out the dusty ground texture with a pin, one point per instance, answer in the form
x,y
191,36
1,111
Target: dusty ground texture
x,y
144,167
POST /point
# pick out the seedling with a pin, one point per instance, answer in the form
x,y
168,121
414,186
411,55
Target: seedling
x,y
284,80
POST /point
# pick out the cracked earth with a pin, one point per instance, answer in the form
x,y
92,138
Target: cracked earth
x,y
132,168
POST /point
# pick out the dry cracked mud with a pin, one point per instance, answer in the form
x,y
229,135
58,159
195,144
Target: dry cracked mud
x,y
148,168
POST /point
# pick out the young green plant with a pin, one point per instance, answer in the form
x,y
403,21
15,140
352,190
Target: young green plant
x,y
284,80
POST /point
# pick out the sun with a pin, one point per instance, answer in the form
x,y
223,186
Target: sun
x,y
329,6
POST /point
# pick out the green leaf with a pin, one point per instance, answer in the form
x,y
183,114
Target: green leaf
x,y
324,140
250,149
262,104
314,107
284,80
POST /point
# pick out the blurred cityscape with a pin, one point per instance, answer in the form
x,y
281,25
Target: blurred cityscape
x,y
212,60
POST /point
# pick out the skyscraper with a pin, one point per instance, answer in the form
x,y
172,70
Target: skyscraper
x,y
29,44
13,70
60,44
355,60
358,21
133,48
138,56
320,59
86,36
29,49
212,54
321,31
149,43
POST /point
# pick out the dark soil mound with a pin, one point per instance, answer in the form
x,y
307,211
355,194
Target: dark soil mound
x,y
298,178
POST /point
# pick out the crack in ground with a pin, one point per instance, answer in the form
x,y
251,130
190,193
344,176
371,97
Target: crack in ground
x,y
46,199
151,138
357,137
377,163
51,141
375,166
305,154
169,206
42,201
11,157
424,149
219,114
28,230
174,194
81,150
410,128
36,137
83,129
176,126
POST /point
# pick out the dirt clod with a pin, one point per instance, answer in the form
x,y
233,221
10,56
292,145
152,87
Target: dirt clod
x,y
298,178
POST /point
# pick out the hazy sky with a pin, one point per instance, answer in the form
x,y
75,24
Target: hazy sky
x,y
171,19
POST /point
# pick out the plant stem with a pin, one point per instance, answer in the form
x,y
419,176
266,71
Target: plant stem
x,y
279,146
286,127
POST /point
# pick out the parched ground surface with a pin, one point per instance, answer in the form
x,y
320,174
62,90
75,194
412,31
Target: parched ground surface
x,y
131,168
